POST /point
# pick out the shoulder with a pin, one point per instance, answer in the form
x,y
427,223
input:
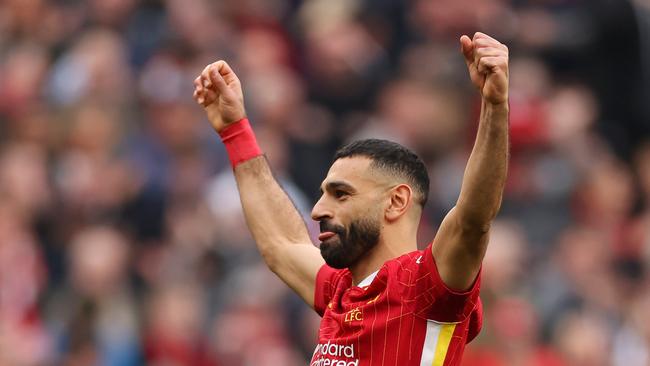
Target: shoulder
x,y
407,259
329,281
331,277
407,262
403,270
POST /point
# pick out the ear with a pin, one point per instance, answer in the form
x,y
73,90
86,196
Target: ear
x,y
400,201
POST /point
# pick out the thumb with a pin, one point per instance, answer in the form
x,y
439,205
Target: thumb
x,y
218,81
467,48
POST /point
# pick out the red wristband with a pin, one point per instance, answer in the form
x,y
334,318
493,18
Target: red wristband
x,y
240,142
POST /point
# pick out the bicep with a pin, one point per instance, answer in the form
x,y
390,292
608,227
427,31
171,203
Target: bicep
x,y
298,265
459,250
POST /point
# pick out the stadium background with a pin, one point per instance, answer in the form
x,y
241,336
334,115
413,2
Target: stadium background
x,y
121,237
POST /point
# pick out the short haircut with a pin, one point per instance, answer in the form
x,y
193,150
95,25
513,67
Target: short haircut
x,y
393,158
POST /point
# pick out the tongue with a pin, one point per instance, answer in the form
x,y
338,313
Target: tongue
x,y
326,235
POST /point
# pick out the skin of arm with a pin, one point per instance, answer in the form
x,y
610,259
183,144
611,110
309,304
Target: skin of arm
x,y
463,236
277,227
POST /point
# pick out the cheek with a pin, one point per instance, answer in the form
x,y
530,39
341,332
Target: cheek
x,y
374,210
346,212
369,212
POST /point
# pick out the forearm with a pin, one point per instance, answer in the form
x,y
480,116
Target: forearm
x,y
485,174
271,216
463,235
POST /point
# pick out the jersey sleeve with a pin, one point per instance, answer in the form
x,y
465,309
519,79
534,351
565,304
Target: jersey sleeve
x,y
432,298
326,281
475,322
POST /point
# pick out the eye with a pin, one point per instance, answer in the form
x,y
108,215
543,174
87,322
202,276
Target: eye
x,y
340,193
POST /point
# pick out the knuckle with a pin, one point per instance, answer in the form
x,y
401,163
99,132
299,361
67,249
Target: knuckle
x,y
220,64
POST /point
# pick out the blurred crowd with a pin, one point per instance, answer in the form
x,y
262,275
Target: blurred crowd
x,y
121,237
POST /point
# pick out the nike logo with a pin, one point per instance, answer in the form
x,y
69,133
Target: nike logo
x,y
419,260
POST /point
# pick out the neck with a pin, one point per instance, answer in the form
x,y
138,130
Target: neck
x,y
393,242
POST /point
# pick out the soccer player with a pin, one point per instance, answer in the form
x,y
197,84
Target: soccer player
x,y
383,301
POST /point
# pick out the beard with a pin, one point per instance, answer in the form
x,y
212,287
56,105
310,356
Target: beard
x,y
351,244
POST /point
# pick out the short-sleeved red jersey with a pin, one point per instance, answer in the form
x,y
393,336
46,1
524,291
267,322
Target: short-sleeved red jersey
x,y
403,315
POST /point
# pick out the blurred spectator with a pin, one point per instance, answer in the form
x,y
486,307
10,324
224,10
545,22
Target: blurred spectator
x,y
173,335
24,339
95,312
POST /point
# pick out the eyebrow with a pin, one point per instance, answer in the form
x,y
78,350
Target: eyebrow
x,y
334,185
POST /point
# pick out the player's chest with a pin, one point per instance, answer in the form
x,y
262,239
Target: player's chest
x,y
353,310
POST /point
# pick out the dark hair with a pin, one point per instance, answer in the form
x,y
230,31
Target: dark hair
x,y
393,158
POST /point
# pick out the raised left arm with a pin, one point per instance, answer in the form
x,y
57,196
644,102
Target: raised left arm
x,y
462,239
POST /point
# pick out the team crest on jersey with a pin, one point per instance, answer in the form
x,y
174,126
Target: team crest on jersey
x,y
353,315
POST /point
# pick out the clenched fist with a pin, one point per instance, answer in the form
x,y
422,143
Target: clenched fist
x,y
487,61
219,91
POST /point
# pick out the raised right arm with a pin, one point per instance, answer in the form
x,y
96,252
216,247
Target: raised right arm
x,y
276,225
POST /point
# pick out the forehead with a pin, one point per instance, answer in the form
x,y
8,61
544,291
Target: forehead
x,y
352,170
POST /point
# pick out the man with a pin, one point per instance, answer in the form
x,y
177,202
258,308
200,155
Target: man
x,y
383,302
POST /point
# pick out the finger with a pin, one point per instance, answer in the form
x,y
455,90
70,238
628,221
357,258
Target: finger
x,y
199,97
201,94
484,42
226,72
209,98
205,76
199,91
218,81
488,65
467,48
481,35
198,85
220,66
489,52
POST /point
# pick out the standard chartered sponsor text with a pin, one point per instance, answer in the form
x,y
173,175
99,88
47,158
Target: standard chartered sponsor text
x,y
332,354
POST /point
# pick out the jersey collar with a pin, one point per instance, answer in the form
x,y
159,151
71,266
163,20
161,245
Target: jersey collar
x,y
368,280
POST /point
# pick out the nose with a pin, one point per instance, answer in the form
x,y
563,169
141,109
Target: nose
x,y
321,211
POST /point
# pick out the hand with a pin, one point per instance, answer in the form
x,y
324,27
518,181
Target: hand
x,y
219,91
487,61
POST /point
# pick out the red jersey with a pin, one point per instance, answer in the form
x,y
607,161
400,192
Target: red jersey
x,y
402,315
